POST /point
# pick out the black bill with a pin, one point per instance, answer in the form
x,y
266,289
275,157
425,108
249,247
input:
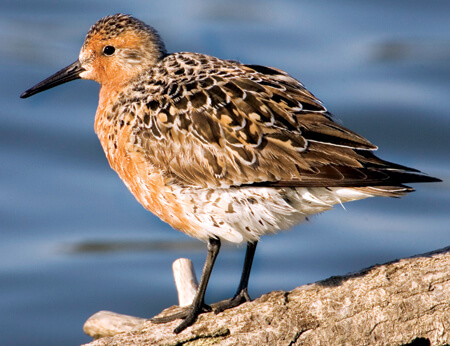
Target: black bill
x,y
65,75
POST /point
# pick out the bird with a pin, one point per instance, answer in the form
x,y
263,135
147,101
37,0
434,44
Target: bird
x,y
219,149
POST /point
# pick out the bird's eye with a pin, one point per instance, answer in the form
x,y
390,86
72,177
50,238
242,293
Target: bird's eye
x,y
109,50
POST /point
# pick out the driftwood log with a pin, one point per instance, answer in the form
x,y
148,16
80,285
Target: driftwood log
x,y
404,302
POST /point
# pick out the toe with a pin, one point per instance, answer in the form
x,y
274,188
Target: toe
x,y
238,299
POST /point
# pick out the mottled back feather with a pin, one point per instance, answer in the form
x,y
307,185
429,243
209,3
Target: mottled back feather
x,y
206,122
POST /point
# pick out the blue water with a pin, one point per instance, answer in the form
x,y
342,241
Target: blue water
x,y
74,241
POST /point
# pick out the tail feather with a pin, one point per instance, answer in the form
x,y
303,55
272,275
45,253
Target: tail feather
x,y
380,177
386,191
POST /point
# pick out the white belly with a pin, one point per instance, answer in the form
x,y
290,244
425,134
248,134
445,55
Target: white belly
x,y
245,214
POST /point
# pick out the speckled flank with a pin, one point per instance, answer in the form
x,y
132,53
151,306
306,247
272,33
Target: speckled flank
x,y
217,148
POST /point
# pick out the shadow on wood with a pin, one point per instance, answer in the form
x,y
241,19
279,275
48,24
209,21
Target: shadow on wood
x,y
404,302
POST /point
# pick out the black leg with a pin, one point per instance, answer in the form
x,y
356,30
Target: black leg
x,y
241,295
198,305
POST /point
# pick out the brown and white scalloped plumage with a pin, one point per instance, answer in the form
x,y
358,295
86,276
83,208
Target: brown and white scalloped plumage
x,y
217,148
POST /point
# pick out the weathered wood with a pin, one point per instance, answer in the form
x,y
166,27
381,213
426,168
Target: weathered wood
x,y
391,304
185,280
107,323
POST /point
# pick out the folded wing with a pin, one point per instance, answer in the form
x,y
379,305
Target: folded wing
x,y
233,124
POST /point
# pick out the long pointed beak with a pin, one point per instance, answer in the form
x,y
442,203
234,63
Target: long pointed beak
x,y
65,75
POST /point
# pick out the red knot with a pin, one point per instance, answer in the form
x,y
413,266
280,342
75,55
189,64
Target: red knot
x,y
218,149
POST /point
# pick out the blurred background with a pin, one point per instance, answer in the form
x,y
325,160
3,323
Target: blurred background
x,y
74,241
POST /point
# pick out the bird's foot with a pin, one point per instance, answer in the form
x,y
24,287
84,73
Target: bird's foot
x,y
238,299
188,313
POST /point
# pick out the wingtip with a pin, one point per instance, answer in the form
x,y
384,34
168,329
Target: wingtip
x,y
433,180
